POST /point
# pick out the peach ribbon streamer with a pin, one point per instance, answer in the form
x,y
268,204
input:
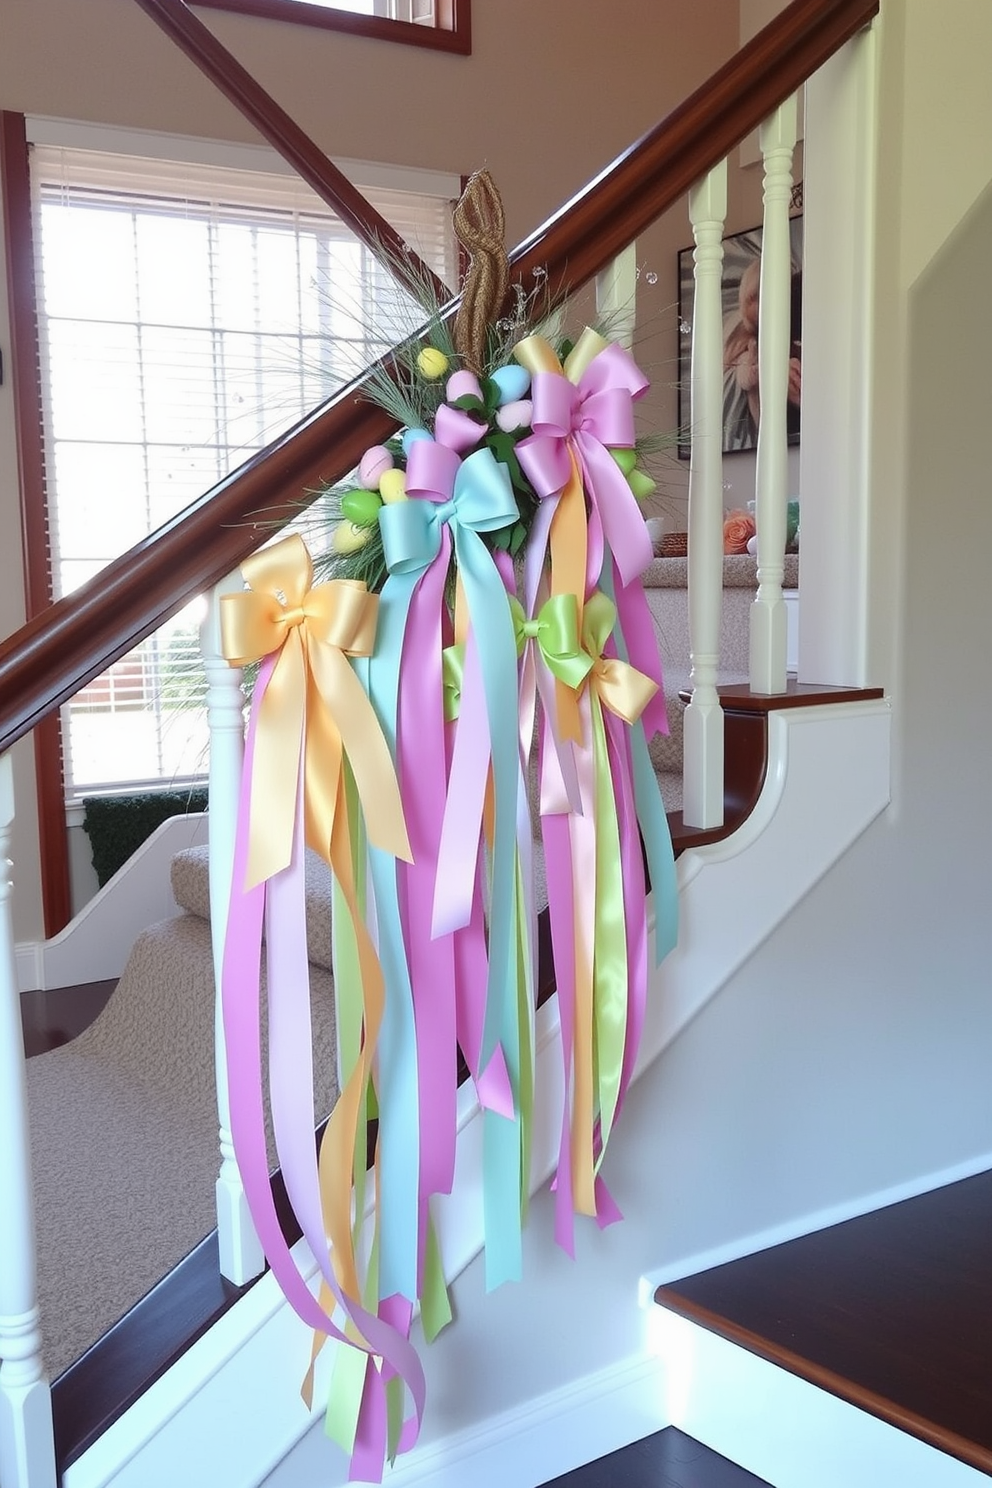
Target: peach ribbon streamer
x,y
567,539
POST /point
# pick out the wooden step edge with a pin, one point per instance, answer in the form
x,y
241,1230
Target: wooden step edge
x,y
739,696
911,1422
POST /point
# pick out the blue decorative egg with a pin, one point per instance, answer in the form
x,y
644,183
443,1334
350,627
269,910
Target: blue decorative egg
x,y
512,381
411,436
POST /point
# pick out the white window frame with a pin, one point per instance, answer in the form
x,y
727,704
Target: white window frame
x,y
272,173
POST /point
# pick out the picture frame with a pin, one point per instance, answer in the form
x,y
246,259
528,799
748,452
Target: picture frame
x,y
741,267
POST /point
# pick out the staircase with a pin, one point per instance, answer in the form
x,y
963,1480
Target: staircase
x,y
563,1371
860,1354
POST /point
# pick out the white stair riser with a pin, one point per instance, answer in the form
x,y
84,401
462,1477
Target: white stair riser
x,y
781,1427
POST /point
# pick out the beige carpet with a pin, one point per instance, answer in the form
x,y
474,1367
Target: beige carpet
x,y
124,1137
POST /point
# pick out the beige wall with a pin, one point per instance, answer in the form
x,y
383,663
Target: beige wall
x,y
544,104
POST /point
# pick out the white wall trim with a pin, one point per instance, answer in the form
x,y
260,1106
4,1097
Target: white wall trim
x,y
551,1435
94,946
784,1429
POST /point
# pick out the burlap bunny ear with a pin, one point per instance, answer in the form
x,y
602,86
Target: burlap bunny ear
x,y
479,225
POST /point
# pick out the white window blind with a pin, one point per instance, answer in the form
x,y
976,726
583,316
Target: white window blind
x,y
187,314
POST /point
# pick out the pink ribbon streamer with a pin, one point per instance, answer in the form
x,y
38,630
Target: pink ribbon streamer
x,y
422,755
240,1008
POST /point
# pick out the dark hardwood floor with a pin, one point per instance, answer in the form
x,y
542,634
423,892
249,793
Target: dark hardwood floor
x,y
668,1459
891,1311
50,1019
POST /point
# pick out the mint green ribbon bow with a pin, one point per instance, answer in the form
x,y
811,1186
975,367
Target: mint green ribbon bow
x,y
555,632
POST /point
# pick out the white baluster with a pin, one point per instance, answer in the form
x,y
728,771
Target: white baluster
x,y
616,296
241,1255
703,765
769,620
27,1445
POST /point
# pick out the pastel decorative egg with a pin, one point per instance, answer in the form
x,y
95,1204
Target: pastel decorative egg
x,y
392,487
348,538
625,458
411,436
641,484
462,384
432,363
512,382
374,463
515,415
361,508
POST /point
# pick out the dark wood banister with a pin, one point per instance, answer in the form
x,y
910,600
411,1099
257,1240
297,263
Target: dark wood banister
x,y
285,135
50,658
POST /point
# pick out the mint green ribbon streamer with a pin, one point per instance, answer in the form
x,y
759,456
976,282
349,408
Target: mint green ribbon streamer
x,y
652,820
555,631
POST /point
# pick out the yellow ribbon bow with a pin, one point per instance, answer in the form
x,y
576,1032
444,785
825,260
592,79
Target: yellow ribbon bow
x,y
618,685
314,700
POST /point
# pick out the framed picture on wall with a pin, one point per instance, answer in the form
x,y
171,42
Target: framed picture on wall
x,y
741,406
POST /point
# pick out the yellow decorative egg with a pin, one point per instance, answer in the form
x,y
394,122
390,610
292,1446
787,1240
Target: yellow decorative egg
x,y
348,538
432,363
392,486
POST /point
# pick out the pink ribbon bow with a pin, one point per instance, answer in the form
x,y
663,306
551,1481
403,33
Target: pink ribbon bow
x,y
589,417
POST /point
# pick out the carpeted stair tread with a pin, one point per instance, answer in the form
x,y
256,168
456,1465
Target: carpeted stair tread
x,y
137,1088
191,888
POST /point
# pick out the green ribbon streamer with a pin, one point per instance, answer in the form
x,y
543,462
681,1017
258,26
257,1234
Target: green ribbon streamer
x,y
435,1304
394,1417
452,671
525,1004
610,978
344,1396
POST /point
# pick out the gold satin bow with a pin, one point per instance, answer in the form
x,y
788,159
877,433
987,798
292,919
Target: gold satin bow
x,y
313,699
618,685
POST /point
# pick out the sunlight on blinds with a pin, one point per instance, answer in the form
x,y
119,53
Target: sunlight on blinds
x,y
187,317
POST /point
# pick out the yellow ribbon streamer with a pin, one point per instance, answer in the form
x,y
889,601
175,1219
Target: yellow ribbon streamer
x,y
313,695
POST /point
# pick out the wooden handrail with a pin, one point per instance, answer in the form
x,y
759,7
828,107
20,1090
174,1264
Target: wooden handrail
x,y
50,658
333,187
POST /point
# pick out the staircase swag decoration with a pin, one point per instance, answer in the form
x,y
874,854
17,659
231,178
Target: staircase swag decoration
x,y
483,645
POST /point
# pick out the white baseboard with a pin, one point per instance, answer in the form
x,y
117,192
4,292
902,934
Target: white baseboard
x,y
95,945
783,1429
578,1423
808,1224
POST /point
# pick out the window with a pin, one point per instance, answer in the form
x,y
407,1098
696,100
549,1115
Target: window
x,y
188,314
445,24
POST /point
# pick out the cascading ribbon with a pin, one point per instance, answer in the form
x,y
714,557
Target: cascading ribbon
x,y
310,715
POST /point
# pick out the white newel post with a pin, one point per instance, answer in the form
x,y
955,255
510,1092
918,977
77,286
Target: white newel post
x,y
703,769
616,296
769,620
27,1445
241,1255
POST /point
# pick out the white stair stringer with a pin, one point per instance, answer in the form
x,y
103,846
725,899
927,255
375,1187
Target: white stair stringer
x,y
95,945
235,1392
789,1432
